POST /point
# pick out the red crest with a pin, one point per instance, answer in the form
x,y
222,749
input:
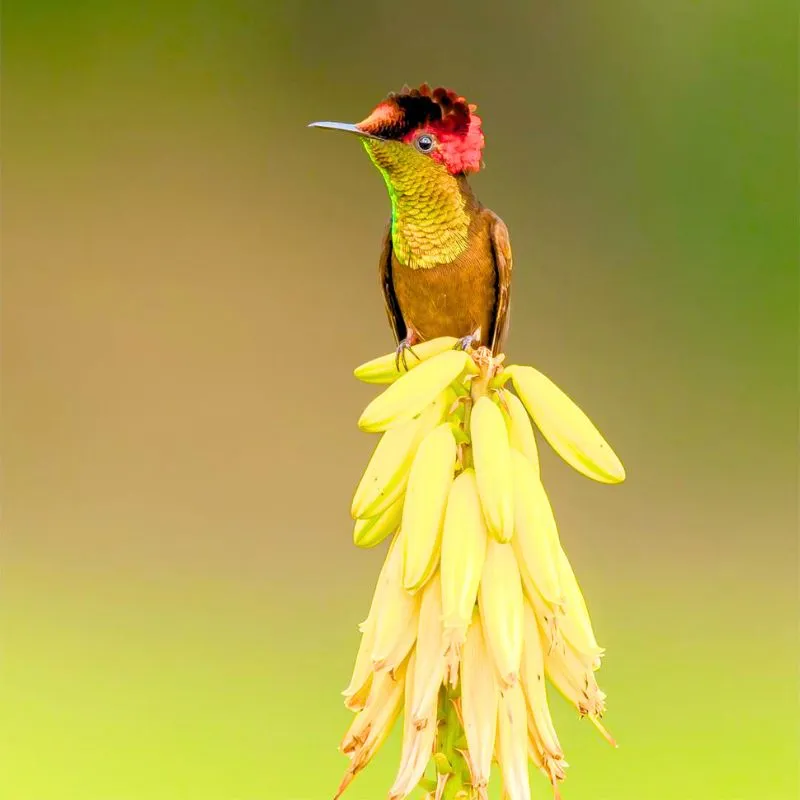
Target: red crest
x,y
440,112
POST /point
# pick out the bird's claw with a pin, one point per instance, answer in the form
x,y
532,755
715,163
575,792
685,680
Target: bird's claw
x,y
400,353
465,342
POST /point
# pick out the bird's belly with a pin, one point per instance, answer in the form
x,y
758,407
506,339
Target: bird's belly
x,y
447,300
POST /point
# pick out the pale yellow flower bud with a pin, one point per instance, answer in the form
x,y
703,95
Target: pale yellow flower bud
x,y
491,456
568,430
385,478
480,696
574,622
520,431
463,554
407,396
396,617
535,533
512,743
500,602
532,675
372,726
418,739
426,499
388,368
429,673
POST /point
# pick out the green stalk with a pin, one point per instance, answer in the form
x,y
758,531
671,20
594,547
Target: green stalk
x,y
450,740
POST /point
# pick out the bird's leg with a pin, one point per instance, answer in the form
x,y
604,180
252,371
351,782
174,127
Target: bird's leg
x,y
405,345
465,342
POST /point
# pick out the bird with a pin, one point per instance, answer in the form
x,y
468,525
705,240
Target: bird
x,y
445,263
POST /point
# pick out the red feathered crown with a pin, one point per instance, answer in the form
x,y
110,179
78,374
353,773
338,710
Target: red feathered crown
x,y
441,112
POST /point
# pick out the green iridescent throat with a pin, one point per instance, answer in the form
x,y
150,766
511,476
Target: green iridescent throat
x,y
430,218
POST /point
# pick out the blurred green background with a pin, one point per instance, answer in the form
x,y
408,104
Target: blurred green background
x,y
189,278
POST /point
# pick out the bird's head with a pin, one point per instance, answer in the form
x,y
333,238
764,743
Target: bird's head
x,y
419,131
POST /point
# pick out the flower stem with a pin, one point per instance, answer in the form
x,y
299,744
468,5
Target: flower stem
x,y
450,742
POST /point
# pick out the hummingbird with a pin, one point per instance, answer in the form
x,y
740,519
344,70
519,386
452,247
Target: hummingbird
x,y
445,262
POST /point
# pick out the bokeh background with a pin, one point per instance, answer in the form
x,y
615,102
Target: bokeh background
x,y
189,276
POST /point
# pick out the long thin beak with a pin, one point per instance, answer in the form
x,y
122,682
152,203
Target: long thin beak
x,y
344,126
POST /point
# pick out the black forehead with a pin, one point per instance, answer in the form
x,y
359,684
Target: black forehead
x,y
419,107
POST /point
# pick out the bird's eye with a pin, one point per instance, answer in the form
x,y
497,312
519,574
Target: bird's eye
x,y
424,143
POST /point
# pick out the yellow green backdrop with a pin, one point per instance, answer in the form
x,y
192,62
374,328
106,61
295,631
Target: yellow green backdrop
x,y
189,276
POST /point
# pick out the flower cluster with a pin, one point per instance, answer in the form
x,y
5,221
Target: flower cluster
x,y
476,603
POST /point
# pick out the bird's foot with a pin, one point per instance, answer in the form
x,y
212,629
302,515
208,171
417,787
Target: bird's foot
x,y
466,342
403,348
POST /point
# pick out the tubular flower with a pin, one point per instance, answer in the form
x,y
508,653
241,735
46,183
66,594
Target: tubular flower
x,y
476,607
